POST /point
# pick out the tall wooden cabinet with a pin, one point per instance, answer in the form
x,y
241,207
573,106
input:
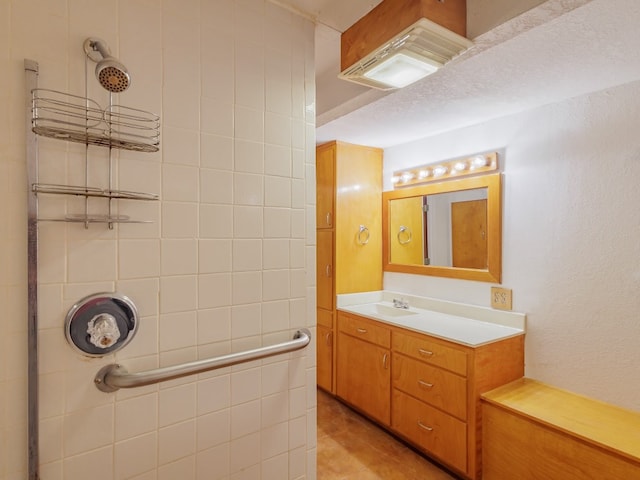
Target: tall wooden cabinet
x,y
349,237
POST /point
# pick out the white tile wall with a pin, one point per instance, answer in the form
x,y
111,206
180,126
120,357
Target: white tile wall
x,y
249,156
213,429
216,151
212,464
222,266
136,416
135,455
216,186
247,222
183,468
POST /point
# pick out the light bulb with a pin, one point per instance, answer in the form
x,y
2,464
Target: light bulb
x,y
460,166
440,170
480,161
407,176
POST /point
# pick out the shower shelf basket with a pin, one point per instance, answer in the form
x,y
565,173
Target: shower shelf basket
x,y
79,119
91,192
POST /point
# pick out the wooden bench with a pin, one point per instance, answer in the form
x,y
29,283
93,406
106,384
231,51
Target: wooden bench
x,y
535,431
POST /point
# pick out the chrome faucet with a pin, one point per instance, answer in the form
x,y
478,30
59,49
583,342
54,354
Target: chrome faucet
x,y
400,303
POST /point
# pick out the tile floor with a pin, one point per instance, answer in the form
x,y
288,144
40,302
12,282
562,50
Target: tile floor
x,y
352,448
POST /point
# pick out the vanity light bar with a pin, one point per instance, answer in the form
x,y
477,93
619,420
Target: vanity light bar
x,y
460,167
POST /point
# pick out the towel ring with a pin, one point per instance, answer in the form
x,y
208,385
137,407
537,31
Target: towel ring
x,y
363,232
404,235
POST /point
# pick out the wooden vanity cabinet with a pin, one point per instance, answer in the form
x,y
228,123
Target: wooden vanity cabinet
x,y
431,394
364,366
348,234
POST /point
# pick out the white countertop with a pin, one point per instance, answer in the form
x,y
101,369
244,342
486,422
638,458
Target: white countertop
x,y
461,323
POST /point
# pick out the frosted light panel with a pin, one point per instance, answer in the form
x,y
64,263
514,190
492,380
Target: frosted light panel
x,y
400,70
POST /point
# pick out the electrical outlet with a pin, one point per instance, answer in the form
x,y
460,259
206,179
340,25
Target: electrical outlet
x,y
501,298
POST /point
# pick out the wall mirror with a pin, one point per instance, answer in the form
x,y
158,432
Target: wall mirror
x,y
448,229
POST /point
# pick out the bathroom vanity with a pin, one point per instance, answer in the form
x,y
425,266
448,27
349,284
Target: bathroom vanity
x,y
419,371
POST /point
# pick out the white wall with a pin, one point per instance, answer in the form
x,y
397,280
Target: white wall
x,y
227,264
571,230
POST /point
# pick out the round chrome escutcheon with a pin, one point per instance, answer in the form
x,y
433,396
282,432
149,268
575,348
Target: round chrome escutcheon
x,y
101,324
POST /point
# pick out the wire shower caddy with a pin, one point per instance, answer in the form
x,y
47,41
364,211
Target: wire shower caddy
x,y
79,119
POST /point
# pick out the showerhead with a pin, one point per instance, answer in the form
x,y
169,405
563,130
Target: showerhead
x,y
111,74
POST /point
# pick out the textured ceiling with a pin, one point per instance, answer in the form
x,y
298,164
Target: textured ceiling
x,y
557,50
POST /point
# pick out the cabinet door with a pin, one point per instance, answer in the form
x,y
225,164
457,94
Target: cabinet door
x,y
359,219
325,185
324,345
324,269
364,378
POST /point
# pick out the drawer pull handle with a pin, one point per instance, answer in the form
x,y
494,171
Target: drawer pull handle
x,y
327,270
424,427
327,338
361,330
384,361
328,218
425,384
426,353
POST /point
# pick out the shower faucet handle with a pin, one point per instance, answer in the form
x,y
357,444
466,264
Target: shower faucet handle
x,y
103,330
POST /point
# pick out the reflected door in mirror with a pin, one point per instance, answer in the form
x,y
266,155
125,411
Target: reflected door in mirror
x,y
469,234
407,224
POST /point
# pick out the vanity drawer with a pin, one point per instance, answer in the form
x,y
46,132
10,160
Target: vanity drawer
x,y
427,350
430,429
435,386
364,329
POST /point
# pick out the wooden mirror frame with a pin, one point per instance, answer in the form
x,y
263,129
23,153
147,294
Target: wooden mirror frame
x,y
493,272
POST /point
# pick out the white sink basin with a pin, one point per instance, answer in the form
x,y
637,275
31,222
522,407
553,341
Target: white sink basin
x,y
386,310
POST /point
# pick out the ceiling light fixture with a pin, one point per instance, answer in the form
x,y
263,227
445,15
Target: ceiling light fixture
x,y
459,167
395,45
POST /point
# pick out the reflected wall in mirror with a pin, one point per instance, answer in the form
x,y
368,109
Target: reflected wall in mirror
x,y
450,229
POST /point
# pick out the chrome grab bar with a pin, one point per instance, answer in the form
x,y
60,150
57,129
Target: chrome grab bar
x,y
114,377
